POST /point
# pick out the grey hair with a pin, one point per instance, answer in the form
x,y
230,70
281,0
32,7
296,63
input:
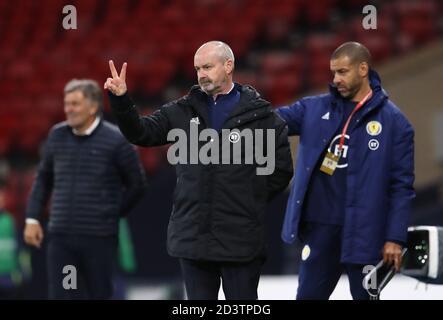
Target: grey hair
x,y
89,88
223,50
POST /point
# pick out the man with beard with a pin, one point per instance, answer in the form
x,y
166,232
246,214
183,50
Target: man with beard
x,y
351,195
216,227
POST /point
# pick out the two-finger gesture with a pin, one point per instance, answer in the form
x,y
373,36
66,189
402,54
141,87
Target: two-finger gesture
x,y
117,84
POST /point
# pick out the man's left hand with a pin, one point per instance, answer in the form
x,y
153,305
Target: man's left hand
x,y
392,254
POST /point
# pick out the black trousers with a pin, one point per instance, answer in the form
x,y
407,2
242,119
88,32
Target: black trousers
x,y
239,279
93,258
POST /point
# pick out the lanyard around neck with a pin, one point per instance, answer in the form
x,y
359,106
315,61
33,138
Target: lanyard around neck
x,y
345,128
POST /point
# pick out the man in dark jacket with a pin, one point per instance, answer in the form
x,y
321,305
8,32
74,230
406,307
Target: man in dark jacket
x,y
95,176
351,196
216,226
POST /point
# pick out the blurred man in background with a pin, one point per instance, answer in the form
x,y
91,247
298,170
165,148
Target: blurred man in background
x,y
216,226
351,197
94,176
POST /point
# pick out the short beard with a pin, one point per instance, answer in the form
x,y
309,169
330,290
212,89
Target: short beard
x,y
211,89
352,92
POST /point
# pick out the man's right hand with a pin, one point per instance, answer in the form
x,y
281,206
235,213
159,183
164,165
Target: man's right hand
x,y
33,234
117,84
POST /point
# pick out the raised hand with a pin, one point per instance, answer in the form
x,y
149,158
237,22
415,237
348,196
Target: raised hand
x,y
117,84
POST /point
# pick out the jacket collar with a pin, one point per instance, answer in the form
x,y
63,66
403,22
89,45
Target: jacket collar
x,y
89,130
250,107
379,95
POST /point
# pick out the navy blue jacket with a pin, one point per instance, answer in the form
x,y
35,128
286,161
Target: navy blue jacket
x,y
380,171
93,179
